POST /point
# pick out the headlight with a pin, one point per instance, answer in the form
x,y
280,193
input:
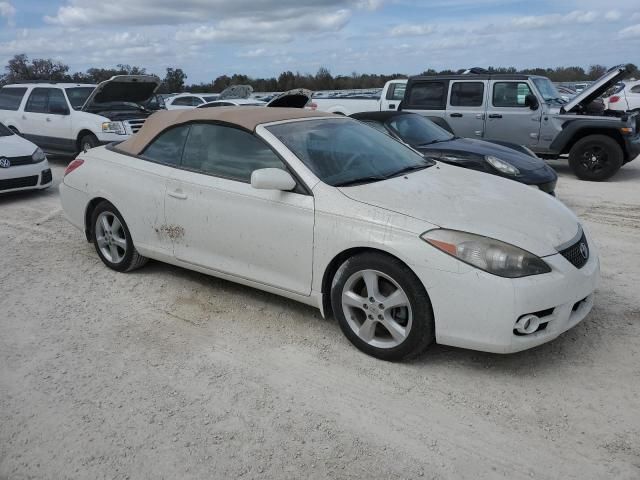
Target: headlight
x,y
486,253
38,156
501,165
113,127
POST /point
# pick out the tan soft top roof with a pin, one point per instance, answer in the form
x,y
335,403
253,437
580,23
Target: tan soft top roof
x,y
244,117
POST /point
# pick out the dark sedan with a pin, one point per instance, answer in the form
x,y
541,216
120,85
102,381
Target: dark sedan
x,y
504,160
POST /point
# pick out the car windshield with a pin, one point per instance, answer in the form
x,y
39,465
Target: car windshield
x,y
78,95
417,131
343,152
547,89
4,131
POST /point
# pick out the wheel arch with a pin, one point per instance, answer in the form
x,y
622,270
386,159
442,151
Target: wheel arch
x,y
335,263
583,132
91,206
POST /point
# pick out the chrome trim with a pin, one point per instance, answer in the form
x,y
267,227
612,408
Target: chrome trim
x,y
571,242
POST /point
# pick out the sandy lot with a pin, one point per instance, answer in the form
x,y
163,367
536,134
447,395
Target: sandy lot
x,y
167,373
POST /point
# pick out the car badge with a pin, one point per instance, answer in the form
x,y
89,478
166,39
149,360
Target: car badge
x,y
584,250
4,162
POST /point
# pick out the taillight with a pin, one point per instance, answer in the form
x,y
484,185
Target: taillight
x,y
72,166
614,99
311,106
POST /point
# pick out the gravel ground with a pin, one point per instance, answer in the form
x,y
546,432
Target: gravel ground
x,y
167,373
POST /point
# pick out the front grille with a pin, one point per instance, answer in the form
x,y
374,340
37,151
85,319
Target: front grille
x,y
578,253
46,177
17,161
135,125
21,182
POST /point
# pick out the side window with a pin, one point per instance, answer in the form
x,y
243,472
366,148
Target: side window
x,y
38,101
467,94
168,146
195,101
182,101
510,94
10,98
396,91
57,102
227,152
635,89
428,95
377,125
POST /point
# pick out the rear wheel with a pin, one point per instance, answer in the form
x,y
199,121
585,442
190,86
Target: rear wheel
x,y
112,239
595,158
382,307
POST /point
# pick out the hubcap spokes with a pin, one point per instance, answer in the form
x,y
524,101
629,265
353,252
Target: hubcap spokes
x,y
377,309
594,159
110,237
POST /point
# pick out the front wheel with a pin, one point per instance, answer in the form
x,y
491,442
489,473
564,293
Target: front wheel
x,y
596,158
382,307
112,239
87,142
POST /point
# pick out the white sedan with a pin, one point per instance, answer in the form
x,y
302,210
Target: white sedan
x,y
23,166
402,250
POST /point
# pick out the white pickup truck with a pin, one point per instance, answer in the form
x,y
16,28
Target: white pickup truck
x,y
344,103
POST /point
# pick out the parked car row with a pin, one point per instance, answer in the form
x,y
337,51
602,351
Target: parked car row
x,y
402,249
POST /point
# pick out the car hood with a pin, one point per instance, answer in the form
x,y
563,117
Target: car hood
x,y
15,146
296,98
480,148
123,88
597,88
461,199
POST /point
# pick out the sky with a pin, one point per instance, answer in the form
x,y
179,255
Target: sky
x,y
261,38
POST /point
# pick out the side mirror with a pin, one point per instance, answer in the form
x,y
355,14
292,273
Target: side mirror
x,y
531,101
58,109
272,179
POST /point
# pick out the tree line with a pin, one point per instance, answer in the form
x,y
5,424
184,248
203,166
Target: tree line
x,y
21,68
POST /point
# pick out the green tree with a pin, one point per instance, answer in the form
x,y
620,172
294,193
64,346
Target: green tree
x,y
174,80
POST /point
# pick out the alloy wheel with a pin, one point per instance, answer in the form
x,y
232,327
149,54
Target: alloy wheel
x,y
377,309
111,237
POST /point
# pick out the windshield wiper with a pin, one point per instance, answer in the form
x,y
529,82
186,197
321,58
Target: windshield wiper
x,y
361,180
412,168
432,142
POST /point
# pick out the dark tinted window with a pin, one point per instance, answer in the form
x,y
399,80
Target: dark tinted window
x,y
417,131
510,94
57,103
211,98
38,100
396,91
78,95
376,125
635,89
10,98
227,152
428,95
167,147
344,151
195,101
467,94
182,101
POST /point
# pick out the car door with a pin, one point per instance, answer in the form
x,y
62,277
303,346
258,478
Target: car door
x,y
633,97
427,97
222,223
47,119
466,107
508,118
394,95
33,124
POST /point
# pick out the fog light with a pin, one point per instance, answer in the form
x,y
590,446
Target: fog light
x,y
527,324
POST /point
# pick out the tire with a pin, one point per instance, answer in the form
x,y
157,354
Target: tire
x,y
114,245
595,158
367,322
88,141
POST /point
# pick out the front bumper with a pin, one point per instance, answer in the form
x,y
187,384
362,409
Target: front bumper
x,y
478,310
35,176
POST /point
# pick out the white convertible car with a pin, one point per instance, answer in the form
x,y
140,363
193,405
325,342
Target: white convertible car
x,y
23,166
402,250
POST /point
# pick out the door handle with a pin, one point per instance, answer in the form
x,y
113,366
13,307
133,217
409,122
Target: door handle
x,y
48,119
495,115
456,115
177,194
392,106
